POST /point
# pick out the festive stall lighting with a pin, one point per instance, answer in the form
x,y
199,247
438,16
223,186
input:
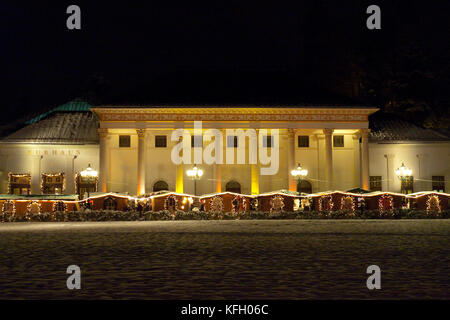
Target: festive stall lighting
x,y
383,200
433,204
326,199
276,204
348,203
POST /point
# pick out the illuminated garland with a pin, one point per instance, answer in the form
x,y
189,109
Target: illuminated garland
x,y
433,204
326,198
58,205
166,202
77,177
9,206
216,204
348,204
233,209
381,201
32,206
52,175
276,204
17,175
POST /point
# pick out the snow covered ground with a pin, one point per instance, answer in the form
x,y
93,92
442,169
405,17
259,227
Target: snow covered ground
x,y
284,259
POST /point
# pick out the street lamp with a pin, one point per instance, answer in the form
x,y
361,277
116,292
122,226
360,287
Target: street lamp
x,y
89,174
195,173
402,173
299,173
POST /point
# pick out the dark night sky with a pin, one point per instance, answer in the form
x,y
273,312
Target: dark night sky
x,y
219,52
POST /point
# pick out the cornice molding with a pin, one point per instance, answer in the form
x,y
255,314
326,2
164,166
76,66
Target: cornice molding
x,y
233,114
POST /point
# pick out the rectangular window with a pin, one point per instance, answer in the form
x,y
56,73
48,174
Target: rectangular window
x,y
160,141
232,141
196,141
438,183
303,141
267,141
375,183
124,141
408,185
338,141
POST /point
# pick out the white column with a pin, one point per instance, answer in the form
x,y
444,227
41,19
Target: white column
x,y
291,159
141,161
104,160
356,161
365,158
329,157
218,177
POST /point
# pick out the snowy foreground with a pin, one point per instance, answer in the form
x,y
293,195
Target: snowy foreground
x,y
284,259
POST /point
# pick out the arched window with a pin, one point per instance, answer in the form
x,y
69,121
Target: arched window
x,y
110,204
160,185
233,186
304,187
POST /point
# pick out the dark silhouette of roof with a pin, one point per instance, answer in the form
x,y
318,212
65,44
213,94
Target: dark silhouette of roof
x,y
73,123
392,128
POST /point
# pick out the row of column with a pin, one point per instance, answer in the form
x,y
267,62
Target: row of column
x,y
141,167
328,133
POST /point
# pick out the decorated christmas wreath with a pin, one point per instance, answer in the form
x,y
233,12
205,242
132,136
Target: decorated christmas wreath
x,y
433,204
276,204
216,205
348,204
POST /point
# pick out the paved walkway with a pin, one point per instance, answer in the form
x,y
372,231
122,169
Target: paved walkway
x,y
319,259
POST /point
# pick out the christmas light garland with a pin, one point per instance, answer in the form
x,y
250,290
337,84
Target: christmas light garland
x,y
9,206
78,176
348,203
216,204
53,175
276,204
34,204
433,204
322,199
17,175
381,201
166,202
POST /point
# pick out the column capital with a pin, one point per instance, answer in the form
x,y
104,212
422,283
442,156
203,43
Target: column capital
x,y
141,133
364,132
102,132
291,133
328,132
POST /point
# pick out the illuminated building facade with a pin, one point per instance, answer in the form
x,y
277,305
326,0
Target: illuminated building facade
x,y
131,148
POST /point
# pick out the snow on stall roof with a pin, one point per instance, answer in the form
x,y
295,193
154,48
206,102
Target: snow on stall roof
x,y
68,197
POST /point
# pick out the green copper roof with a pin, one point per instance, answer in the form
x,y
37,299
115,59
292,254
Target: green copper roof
x,y
74,105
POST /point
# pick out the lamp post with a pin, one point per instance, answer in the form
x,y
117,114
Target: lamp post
x,y
299,173
89,174
195,173
402,173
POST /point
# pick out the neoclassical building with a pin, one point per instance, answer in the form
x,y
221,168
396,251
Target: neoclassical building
x,y
131,148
